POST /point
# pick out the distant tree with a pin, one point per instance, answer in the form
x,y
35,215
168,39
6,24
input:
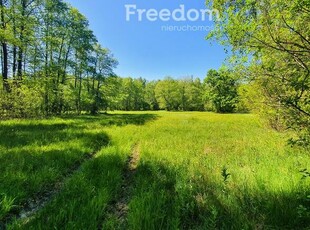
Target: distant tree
x,y
222,90
192,94
103,65
150,96
169,94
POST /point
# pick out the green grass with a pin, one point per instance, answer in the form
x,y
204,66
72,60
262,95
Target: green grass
x,y
197,171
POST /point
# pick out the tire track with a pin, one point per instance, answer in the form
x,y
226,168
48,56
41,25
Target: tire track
x,y
37,202
118,209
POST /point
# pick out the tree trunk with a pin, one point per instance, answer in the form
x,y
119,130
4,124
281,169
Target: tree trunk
x,y
63,80
21,38
6,85
79,95
14,61
20,63
5,56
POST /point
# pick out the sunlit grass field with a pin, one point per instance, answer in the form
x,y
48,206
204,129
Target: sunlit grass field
x,y
194,171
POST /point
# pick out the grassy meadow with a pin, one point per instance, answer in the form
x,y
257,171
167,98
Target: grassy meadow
x,y
191,170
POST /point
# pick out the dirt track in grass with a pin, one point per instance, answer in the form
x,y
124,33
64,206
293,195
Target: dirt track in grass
x,y
118,208
34,204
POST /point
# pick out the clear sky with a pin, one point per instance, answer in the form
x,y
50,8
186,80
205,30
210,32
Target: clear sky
x,y
143,48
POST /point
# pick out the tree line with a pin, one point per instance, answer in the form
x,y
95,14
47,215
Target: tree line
x,y
51,62
184,94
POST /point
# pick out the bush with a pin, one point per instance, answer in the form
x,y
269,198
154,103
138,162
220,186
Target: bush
x,y
21,102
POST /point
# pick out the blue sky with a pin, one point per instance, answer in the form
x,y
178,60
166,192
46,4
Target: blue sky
x,y
142,48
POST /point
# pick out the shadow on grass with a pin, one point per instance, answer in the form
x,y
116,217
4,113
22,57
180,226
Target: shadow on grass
x,y
114,119
219,206
86,197
154,203
161,200
36,154
34,157
82,201
19,134
23,134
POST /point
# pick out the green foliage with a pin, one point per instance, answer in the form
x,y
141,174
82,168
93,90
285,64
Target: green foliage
x,y
6,205
271,40
222,90
131,94
168,94
49,44
244,104
150,95
184,94
22,101
225,174
53,64
305,173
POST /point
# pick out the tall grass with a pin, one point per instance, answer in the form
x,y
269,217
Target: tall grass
x,y
197,171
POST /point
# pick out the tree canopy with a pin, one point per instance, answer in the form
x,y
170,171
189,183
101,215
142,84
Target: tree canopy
x,y
51,61
272,40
